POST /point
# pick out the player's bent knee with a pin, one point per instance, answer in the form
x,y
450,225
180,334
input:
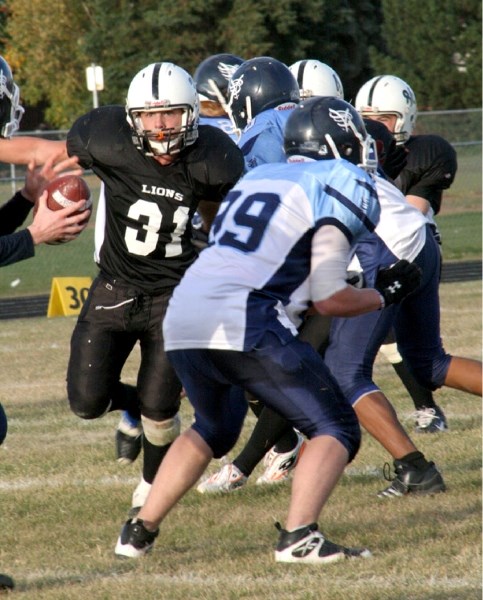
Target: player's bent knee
x,y
220,448
429,372
88,406
89,412
161,433
220,439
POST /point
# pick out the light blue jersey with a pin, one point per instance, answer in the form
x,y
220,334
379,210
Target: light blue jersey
x,y
223,123
254,275
262,140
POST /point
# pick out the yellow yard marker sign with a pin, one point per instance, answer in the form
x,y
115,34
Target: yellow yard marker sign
x,y
67,295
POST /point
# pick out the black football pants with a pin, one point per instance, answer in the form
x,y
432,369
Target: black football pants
x,y
114,317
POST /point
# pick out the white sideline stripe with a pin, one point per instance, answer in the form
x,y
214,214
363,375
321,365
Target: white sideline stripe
x,y
370,470
57,482
199,578
111,481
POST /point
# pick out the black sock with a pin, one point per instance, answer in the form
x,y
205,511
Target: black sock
x,y
287,442
268,430
421,396
153,456
125,397
415,459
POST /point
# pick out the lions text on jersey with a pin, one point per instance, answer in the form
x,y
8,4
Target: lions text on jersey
x,y
148,207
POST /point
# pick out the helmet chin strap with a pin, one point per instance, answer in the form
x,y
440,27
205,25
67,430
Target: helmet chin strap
x,y
226,107
216,90
332,146
368,150
248,104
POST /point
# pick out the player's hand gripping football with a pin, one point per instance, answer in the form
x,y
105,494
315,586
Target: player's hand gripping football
x,y
394,283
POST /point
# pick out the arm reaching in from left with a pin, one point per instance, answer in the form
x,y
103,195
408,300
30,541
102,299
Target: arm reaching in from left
x,y
22,150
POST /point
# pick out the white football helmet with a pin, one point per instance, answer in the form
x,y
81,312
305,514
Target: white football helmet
x,y
389,95
163,86
315,78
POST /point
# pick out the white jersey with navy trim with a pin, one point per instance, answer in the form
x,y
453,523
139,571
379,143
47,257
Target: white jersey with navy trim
x,y
262,139
259,259
401,229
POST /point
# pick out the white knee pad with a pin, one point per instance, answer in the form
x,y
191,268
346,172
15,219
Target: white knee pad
x,y
391,352
161,433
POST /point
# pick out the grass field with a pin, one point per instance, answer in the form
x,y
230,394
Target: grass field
x,y
63,498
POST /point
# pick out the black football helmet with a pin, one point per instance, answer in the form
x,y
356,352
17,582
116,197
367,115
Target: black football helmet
x,y
11,111
213,74
324,128
259,84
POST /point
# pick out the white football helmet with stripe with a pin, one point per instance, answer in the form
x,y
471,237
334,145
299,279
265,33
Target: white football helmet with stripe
x,y
389,95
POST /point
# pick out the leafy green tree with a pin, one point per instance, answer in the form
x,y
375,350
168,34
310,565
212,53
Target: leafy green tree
x,y
3,25
336,32
123,36
436,47
45,48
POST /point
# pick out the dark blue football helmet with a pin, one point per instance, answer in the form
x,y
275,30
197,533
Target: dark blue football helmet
x,y
213,74
259,84
324,127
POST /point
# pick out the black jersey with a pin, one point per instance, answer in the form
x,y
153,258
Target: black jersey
x,y
19,245
430,169
147,237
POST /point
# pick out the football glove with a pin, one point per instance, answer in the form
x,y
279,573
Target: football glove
x,y
355,278
395,161
394,283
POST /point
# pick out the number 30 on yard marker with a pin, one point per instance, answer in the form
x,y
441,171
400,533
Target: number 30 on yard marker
x,y
67,295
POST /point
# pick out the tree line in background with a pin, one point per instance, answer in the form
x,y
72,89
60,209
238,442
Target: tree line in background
x,y
435,45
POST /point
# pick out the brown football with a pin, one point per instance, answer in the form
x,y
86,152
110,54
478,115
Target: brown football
x,y
65,190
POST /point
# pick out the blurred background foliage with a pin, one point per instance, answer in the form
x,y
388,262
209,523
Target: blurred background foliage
x,y
435,45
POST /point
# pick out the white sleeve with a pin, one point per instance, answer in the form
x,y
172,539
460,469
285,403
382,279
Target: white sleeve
x,y
330,256
100,223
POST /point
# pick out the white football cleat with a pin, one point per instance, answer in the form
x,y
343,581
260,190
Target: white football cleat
x,y
307,545
279,465
227,479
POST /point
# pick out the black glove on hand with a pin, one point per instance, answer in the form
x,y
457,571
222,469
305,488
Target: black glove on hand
x,y
397,281
355,278
395,161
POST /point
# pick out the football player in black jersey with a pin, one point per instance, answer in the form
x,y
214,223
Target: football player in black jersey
x,y
158,167
211,79
430,169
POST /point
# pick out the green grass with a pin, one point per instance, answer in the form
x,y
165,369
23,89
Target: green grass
x,y
34,276
461,235
63,498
